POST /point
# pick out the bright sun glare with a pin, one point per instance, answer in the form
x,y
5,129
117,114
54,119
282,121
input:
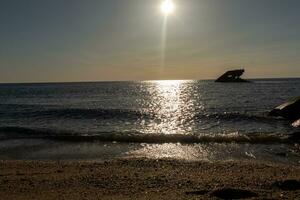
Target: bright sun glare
x,y
167,7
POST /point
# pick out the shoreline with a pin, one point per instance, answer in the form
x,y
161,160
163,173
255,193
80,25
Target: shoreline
x,y
147,179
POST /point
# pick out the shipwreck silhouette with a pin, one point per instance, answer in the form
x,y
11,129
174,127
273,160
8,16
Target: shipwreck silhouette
x,y
233,76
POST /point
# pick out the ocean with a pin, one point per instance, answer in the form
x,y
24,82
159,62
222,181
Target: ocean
x,y
189,120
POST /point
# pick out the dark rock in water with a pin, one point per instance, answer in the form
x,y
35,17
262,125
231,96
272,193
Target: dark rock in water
x,y
230,193
289,110
233,76
288,185
296,123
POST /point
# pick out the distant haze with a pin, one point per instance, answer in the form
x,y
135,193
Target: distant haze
x,y
98,40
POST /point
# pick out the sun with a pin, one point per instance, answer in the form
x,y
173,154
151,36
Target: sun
x,y
167,7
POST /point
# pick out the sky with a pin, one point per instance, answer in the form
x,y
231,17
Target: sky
x,y
106,40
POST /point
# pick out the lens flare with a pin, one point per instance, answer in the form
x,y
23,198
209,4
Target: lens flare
x,y
167,7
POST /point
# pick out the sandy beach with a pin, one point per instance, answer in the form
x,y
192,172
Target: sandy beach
x,y
147,179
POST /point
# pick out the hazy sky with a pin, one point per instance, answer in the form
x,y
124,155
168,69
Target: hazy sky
x,y
90,40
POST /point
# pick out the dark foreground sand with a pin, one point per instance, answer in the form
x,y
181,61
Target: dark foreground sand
x,y
147,179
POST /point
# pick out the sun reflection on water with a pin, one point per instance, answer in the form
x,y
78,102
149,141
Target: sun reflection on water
x,y
172,151
173,107
170,103
170,106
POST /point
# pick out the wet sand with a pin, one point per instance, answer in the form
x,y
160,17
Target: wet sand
x,y
147,179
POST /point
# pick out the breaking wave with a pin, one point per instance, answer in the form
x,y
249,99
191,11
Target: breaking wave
x,y
135,137
236,116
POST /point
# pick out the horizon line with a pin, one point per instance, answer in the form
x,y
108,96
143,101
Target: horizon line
x,y
150,80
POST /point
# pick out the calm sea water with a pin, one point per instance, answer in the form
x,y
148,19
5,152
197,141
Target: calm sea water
x,y
194,120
